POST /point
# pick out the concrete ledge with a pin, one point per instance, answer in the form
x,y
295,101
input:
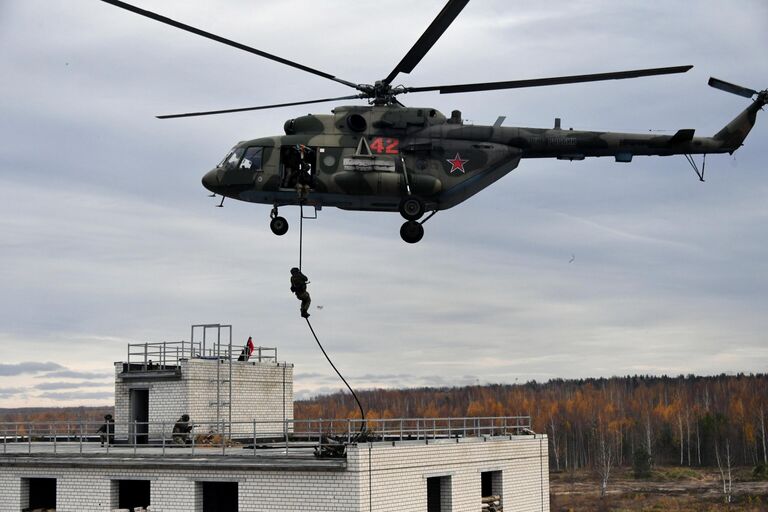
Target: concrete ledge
x,y
150,374
268,463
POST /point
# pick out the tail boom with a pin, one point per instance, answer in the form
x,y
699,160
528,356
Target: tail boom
x,y
577,145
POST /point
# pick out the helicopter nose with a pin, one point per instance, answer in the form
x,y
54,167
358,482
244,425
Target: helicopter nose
x,y
211,181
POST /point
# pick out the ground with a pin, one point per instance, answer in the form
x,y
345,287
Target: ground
x,y
668,489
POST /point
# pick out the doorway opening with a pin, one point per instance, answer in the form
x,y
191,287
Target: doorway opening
x,y
298,166
139,410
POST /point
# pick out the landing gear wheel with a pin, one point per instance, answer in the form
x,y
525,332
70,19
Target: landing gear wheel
x,y
279,226
411,231
411,208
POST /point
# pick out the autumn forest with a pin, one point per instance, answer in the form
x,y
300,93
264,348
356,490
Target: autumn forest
x,y
685,420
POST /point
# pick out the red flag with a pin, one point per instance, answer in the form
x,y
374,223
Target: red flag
x,y
250,346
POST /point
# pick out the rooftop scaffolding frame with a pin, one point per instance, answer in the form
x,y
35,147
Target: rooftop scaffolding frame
x,y
217,350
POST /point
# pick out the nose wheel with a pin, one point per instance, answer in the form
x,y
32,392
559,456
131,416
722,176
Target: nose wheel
x,y
278,225
411,231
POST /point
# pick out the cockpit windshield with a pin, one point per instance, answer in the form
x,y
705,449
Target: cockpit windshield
x,y
243,158
232,159
252,158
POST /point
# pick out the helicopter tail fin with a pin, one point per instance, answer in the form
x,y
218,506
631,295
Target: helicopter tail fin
x,y
733,134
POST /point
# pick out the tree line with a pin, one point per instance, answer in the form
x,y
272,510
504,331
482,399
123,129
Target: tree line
x,y
683,420
24,416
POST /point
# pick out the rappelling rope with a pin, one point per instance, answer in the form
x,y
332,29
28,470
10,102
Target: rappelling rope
x,y
301,232
362,412
363,426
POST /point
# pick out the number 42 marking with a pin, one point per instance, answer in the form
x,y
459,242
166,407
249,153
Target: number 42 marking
x,y
384,145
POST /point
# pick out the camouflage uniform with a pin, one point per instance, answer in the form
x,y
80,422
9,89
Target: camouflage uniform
x,y
107,430
181,430
303,181
304,172
299,287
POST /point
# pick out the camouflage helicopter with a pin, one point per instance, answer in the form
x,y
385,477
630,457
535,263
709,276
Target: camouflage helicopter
x,y
387,157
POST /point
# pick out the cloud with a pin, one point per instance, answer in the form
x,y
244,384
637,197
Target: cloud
x,y
309,375
12,392
65,385
78,395
13,369
73,374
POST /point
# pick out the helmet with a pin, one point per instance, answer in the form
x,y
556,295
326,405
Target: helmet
x,y
295,270
107,416
185,417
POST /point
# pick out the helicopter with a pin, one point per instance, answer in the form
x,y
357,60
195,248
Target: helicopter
x,y
385,156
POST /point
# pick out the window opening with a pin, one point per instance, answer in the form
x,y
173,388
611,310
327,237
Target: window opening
x,y
490,483
252,159
439,494
219,496
232,159
133,494
42,494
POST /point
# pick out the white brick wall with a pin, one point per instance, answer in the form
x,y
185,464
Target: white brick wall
x,y
399,473
397,480
260,391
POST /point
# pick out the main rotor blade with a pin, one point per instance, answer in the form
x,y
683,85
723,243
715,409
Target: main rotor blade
x,y
428,38
262,107
732,88
559,80
228,42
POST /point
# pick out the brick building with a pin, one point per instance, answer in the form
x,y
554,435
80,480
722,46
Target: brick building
x,y
247,453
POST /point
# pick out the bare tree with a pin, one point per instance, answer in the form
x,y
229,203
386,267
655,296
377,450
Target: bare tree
x,y
604,458
725,472
698,444
682,437
762,434
555,446
648,440
688,433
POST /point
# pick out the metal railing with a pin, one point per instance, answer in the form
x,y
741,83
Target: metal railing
x,y
167,354
245,438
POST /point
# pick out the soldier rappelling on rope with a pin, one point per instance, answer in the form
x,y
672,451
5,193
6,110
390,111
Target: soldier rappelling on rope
x,y
299,286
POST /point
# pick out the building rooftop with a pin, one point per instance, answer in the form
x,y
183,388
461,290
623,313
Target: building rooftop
x,y
295,444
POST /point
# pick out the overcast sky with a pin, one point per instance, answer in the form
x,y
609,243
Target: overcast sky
x,y
560,269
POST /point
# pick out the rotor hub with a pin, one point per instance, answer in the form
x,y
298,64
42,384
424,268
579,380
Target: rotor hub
x,y
380,93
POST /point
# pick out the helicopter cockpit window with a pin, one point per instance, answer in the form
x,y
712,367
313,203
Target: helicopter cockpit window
x,y
252,159
232,159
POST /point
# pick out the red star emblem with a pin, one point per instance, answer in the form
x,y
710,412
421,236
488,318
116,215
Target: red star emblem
x,y
457,164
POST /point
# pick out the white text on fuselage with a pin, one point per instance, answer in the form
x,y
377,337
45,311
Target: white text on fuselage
x,y
551,141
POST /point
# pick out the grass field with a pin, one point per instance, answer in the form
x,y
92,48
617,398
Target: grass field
x,y
668,489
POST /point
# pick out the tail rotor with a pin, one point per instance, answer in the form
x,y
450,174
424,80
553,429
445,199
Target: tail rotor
x,y
738,89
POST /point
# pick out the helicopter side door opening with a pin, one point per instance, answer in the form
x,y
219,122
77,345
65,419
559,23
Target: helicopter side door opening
x,y
298,167
298,171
